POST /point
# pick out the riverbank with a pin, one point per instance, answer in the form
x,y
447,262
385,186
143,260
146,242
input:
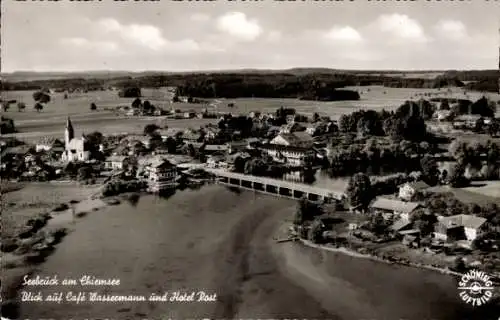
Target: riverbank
x,y
35,219
356,254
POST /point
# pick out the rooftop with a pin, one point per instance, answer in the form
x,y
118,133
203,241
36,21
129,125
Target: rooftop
x,y
417,185
394,205
463,220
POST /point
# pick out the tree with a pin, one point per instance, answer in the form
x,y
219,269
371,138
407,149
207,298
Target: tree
x,y
316,231
131,92
7,125
239,164
137,103
445,105
378,224
430,170
150,129
94,139
457,177
298,218
38,107
483,107
41,97
93,106
171,145
316,117
346,123
21,106
459,264
84,173
494,128
359,191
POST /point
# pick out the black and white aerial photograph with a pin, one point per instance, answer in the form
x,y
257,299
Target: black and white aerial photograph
x,y
333,160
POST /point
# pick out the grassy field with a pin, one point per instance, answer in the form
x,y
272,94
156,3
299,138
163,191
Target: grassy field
x,y
50,122
475,195
487,188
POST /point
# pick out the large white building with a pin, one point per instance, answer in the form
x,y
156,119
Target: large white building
x,y
295,149
74,149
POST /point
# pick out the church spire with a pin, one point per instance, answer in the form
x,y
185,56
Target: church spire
x,y
70,132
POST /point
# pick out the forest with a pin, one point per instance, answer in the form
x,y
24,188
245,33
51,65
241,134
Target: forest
x,y
306,84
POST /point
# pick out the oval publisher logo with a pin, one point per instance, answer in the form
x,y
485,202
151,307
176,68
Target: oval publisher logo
x,y
475,288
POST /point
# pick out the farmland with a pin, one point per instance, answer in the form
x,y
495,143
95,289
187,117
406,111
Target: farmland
x,y
50,121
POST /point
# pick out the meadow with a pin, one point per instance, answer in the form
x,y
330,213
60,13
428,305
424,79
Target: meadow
x,y
50,121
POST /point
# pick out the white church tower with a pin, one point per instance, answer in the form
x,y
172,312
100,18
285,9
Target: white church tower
x,y
69,134
74,149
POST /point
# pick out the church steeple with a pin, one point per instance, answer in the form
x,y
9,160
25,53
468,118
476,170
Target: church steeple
x,y
69,133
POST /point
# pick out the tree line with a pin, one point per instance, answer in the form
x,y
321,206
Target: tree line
x,y
287,82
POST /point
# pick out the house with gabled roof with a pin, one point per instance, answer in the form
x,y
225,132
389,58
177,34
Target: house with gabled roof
x,y
394,208
408,190
160,174
459,227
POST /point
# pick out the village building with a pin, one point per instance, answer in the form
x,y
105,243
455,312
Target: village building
x,y
47,143
184,99
295,149
292,127
442,115
236,146
408,190
296,139
115,162
168,133
459,227
189,114
253,143
189,136
74,149
394,209
160,174
467,121
134,138
290,118
215,148
216,161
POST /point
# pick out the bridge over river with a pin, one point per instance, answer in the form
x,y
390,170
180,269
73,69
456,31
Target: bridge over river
x,y
279,188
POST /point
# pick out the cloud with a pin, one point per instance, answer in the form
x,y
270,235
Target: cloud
x,y
274,36
401,26
346,33
199,17
451,29
85,44
239,26
139,34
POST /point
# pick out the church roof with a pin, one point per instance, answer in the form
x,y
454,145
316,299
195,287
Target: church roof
x,y
69,125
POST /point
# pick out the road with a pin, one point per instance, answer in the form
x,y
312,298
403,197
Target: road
x,y
222,242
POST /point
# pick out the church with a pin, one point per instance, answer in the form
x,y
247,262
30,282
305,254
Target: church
x,y
74,149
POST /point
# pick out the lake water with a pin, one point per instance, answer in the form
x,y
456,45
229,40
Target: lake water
x,y
221,241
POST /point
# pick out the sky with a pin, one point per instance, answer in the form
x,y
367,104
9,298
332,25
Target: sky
x,y
168,35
